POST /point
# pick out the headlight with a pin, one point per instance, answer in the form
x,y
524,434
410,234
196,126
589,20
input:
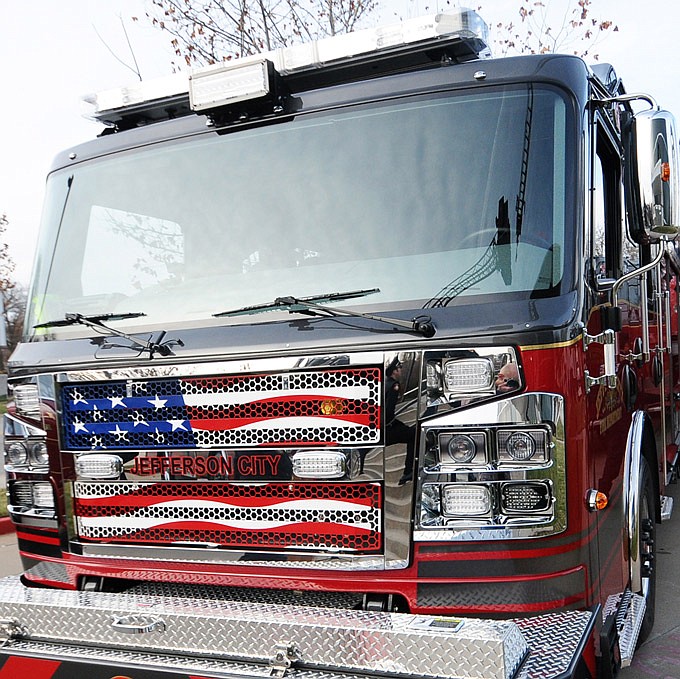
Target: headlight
x,y
17,453
43,497
25,444
463,377
38,453
466,500
461,448
520,446
470,375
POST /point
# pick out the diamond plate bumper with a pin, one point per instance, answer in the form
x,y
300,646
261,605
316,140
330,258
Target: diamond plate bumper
x,y
224,638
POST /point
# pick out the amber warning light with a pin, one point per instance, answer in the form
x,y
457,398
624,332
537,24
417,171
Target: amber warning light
x,y
665,172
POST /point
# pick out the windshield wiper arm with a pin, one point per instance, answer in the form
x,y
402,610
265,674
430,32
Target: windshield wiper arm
x,y
98,323
313,306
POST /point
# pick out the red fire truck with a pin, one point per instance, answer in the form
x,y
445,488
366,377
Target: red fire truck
x,y
354,359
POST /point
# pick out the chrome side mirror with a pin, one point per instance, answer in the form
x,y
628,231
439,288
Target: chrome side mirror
x,y
652,176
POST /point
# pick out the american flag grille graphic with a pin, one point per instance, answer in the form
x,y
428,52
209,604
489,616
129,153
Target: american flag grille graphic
x,y
321,407
313,517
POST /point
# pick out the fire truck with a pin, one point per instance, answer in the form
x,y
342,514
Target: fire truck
x,y
357,358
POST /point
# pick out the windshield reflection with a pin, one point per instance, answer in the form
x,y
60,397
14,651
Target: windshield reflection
x,y
429,200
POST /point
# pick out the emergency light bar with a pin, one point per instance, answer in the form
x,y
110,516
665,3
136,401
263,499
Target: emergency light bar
x,y
250,78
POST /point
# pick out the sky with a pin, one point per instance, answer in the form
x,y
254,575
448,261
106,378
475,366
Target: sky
x,y
54,52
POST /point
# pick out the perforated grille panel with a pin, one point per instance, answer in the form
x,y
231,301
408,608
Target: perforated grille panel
x,y
313,517
321,407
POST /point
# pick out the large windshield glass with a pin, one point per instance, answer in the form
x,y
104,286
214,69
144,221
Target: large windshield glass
x,y
431,200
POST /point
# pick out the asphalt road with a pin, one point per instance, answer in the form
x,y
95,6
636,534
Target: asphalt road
x,y
657,658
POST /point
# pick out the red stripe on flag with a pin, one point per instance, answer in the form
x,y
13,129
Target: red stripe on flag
x,y
363,420
125,503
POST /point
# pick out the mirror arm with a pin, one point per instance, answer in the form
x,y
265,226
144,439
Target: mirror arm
x,y
625,98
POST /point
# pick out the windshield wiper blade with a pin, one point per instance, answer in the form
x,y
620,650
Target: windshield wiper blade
x,y
164,348
80,319
422,325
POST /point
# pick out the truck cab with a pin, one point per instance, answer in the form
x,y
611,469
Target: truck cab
x,y
381,322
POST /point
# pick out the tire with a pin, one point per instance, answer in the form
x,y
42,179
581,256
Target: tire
x,y
647,548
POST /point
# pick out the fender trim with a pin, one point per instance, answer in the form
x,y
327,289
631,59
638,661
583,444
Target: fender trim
x,y
631,476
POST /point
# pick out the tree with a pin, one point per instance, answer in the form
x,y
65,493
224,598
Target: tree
x,y
212,31
14,301
542,28
13,296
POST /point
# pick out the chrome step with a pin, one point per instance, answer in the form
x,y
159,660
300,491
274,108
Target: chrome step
x,y
629,610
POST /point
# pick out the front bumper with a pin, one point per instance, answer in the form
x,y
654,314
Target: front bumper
x,y
190,631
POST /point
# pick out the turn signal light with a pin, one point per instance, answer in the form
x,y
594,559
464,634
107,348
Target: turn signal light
x,y
596,500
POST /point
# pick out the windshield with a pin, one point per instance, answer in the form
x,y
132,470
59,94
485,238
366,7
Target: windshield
x,y
431,200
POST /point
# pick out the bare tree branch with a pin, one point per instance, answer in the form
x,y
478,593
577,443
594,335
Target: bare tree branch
x,y
211,31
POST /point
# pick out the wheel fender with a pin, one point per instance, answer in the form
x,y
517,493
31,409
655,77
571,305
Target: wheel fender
x,y
631,474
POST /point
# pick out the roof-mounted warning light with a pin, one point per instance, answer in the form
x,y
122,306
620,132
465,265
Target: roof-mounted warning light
x,y
254,77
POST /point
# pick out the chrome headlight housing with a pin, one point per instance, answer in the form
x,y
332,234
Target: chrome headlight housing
x,y
462,377
25,445
494,471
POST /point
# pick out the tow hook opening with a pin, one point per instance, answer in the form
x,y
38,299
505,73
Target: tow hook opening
x,y
387,603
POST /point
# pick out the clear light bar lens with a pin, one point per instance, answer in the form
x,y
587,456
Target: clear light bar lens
x,y
215,87
468,375
27,399
97,466
463,23
466,500
311,464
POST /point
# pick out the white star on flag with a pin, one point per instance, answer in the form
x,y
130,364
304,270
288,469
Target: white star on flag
x,y
117,401
177,424
97,442
78,426
78,398
157,402
120,434
138,418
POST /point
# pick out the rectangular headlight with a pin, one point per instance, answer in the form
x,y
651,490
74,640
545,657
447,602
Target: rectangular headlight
x,y
469,375
43,496
466,500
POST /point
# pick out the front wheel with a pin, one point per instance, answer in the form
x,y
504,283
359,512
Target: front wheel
x,y
647,548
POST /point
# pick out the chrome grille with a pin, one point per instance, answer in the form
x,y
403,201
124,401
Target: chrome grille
x,y
325,407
